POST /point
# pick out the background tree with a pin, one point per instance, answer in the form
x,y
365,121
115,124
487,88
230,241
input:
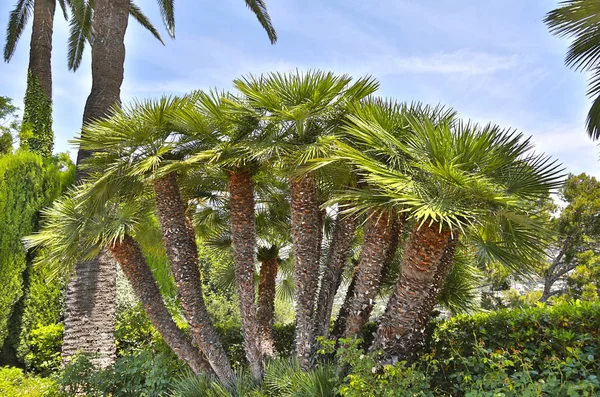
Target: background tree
x,y
577,245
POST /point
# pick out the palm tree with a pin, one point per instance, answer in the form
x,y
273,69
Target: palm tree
x,y
143,140
450,178
235,155
69,232
580,19
37,114
110,17
305,106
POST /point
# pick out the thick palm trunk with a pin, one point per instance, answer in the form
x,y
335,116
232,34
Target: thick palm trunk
x,y
396,234
416,336
339,252
132,262
306,239
376,245
182,254
241,202
38,98
90,304
403,317
266,304
108,57
90,311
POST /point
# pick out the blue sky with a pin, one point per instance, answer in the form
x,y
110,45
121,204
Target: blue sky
x,y
493,61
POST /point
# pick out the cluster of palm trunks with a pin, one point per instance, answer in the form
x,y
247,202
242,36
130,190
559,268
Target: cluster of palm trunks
x,y
334,152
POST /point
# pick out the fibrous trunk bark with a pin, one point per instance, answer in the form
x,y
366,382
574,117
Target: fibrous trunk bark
x,y
90,311
182,254
131,259
266,304
403,317
339,252
90,317
306,222
396,234
415,338
243,229
375,248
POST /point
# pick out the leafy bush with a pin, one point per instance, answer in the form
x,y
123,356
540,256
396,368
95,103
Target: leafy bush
x,y
144,373
44,349
541,351
14,383
27,184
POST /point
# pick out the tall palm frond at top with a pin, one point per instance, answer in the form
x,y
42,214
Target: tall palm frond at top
x,y
580,20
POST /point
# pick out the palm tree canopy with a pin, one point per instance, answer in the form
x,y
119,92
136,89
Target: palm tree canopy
x,y
580,19
479,179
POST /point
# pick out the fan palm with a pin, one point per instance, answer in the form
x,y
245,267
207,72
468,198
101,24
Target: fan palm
x,y
235,156
110,18
76,227
144,140
580,19
303,104
450,178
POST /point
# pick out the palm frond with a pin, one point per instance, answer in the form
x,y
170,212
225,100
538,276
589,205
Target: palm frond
x,y
80,31
137,13
259,8
167,11
16,24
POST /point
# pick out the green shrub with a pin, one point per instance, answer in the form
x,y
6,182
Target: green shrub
x,y
143,373
541,351
28,183
14,383
44,349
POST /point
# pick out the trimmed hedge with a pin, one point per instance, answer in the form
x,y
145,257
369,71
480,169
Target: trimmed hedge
x,y
540,351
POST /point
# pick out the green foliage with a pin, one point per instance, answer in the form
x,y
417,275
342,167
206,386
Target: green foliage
x,y
44,349
283,378
36,131
14,383
9,124
538,351
143,373
27,184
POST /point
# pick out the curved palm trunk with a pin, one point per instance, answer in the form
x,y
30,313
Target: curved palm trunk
x,y
265,312
340,321
376,245
403,316
132,262
241,202
182,254
306,221
38,97
90,303
339,252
